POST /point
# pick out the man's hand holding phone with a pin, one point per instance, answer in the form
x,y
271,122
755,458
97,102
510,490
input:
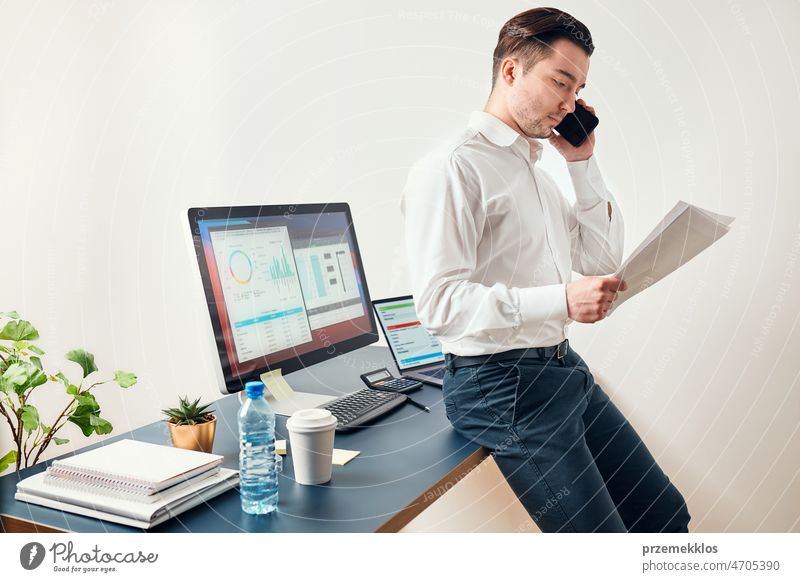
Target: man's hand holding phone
x,y
570,152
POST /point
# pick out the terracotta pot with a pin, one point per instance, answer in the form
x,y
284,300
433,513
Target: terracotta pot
x,y
195,437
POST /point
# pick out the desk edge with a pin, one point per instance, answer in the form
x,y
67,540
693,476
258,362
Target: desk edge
x,y
9,524
428,497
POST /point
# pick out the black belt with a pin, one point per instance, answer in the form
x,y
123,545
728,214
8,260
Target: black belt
x,y
557,351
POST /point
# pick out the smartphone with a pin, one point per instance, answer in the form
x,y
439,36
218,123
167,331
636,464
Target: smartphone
x,y
577,126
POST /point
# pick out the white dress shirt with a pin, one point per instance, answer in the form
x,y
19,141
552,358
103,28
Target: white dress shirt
x,y
492,242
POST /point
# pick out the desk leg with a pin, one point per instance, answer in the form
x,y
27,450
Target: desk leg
x,y
434,492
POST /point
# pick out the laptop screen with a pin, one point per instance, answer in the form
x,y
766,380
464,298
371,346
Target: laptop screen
x,y
410,343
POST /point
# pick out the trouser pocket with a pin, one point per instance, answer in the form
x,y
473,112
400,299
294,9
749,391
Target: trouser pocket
x,y
497,385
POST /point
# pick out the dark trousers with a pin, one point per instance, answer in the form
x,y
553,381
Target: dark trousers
x,y
568,453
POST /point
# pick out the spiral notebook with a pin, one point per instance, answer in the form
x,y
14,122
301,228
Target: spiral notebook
x,y
142,512
133,466
104,490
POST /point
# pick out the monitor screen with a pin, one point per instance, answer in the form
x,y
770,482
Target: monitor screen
x,y
284,285
411,344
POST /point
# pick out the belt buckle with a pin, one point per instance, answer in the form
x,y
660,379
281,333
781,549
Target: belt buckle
x,y
562,348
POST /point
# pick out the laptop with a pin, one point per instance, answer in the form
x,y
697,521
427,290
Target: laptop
x,y
416,352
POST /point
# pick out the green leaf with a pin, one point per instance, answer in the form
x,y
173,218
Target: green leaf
x,y
9,314
16,375
82,416
21,345
83,422
7,459
101,426
37,375
86,416
125,379
59,441
86,409
30,417
37,362
19,330
84,358
63,379
86,399
72,389
21,377
83,411
34,377
36,350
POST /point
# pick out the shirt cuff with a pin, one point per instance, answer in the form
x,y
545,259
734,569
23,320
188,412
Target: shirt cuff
x,y
538,304
588,183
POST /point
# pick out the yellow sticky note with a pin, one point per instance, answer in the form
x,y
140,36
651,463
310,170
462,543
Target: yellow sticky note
x,y
280,446
276,384
342,456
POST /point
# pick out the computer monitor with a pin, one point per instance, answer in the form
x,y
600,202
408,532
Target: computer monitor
x,y
284,286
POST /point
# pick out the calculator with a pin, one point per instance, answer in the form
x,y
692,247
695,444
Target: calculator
x,y
383,380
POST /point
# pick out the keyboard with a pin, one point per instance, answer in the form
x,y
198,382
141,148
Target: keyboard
x,y
439,373
356,409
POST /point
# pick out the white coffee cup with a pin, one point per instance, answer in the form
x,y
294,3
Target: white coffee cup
x,y
311,433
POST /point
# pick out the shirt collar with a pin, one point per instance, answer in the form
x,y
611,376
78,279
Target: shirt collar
x,y
500,134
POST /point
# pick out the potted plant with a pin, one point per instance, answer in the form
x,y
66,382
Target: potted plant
x,y
191,425
22,374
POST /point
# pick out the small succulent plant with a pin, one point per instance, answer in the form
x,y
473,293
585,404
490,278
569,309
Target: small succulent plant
x,y
189,412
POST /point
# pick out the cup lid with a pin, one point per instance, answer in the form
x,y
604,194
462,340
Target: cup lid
x,y
311,419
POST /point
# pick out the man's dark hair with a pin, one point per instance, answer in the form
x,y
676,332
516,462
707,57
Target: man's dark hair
x,y
530,35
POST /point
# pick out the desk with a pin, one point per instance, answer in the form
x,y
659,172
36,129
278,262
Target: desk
x,y
408,459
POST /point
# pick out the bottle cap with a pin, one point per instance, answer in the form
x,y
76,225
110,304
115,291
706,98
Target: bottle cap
x,y
254,389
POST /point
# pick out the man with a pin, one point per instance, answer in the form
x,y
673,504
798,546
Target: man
x,y
492,244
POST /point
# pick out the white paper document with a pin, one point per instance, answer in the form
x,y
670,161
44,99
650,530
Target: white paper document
x,y
685,232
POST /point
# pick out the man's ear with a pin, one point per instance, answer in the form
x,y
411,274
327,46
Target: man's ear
x,y
510,70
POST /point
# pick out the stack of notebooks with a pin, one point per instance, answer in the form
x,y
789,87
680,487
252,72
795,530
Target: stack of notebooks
x,y
129,482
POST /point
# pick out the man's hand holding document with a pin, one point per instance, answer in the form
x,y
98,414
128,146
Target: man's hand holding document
x,y
684,233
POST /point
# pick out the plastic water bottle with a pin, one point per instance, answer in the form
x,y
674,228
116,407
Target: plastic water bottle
x,y
258,472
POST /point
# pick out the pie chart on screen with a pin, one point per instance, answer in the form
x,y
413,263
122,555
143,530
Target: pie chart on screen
x,y
240,266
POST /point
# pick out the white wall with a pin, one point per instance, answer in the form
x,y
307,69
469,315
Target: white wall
x,y
115,115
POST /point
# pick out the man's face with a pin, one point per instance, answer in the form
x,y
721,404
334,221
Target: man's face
x,y
539,99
